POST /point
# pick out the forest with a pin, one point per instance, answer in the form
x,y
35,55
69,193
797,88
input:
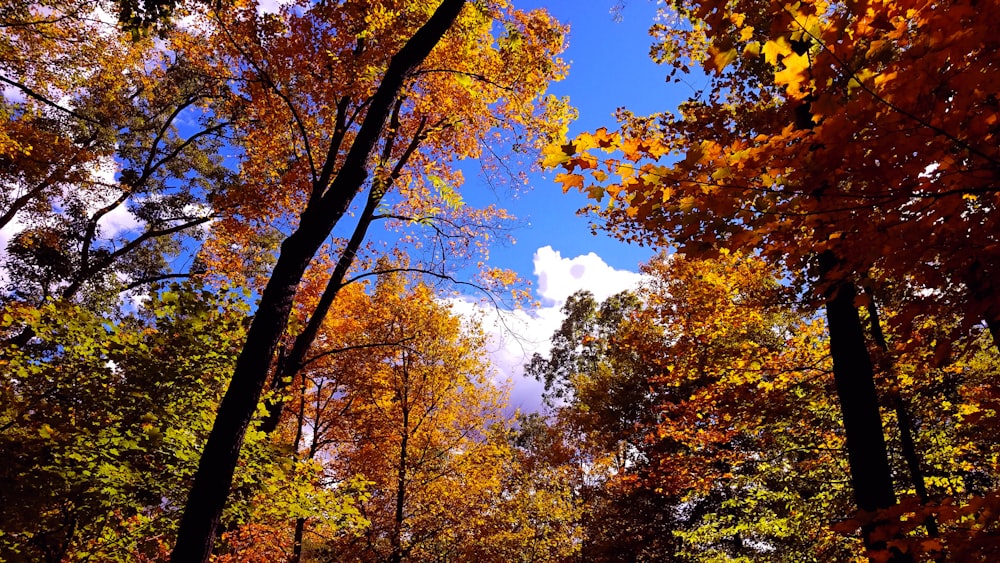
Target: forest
x,y
236,234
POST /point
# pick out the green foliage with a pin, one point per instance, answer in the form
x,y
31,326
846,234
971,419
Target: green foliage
x,y
103,424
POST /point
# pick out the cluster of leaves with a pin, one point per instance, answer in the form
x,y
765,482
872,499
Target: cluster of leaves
x,y
867,129
851,145
227,148
702,409
103,424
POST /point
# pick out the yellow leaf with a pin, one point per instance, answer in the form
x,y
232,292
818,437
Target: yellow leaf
x,y
722,173
720,59
884,77
776,48
686,204
464,80
858,80
792,76
554,155
598,139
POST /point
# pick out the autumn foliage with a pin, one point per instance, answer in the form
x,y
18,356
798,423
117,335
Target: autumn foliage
x,y
234,231
852,146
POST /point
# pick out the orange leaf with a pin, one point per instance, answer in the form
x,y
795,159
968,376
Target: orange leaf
x,y
570,181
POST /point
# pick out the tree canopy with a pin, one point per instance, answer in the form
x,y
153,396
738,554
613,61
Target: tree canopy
x,y
228,321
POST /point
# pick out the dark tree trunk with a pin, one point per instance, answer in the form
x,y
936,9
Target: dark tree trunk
x,y
854,377
213,479
903,419
300,528
399,516
300,523
993,323
289,365
868,458
295,360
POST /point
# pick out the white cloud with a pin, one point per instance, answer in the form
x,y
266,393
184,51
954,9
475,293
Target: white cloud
x,y
517,335
271,6
559,277
119,220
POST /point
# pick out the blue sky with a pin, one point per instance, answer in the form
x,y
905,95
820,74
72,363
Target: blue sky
x,y
609,68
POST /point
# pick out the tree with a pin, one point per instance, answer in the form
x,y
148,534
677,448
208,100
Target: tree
x,y
399,395
102,422
416,422
802,141
588,368
832,138
732,447
745,430
105,191
534,514
397,99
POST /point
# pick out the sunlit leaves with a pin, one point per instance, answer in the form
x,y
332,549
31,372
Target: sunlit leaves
x,y
834,116
704,395
106,421
400,396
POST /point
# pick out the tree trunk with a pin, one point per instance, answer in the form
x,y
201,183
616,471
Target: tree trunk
x,y
300,523
903,419
290,365
868,458
300,528
399,516
984,298
293,362
854,377
214,477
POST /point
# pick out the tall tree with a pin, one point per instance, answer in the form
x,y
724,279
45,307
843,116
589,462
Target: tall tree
x,y
104,187
832,138
327,90
215,473
102,422
732,444
399,394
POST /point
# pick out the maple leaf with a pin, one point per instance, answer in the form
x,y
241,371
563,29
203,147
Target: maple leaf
x,y
555,155
600,138
595,193
793,75
719,59
569,181
775,49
